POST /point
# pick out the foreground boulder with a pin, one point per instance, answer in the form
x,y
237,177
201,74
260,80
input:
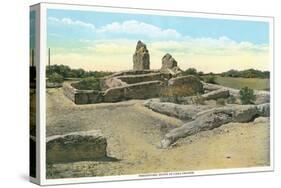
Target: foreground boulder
x,y
141,57
77,146
211,119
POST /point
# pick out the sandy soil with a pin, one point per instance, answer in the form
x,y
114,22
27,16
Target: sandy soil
x,y
133,132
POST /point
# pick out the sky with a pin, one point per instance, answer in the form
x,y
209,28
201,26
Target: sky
x,y
106,41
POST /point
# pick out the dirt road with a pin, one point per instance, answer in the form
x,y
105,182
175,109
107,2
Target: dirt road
x,y
133,132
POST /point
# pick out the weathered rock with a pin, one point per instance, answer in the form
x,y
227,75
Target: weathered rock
x,y
216,94
244,113
170,65
168,62
183,112
77,146
141,57
188,85
211,119
111,82
262,97
264,109
259,120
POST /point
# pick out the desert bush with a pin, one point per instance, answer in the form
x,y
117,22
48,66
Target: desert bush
x,y
247,95
90,83
55,78
220,102
210,79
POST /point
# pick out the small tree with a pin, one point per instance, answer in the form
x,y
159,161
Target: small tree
x,y
90,83
190,71
55,78
211,79
247,95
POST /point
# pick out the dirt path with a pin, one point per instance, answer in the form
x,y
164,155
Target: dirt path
x,y
133,132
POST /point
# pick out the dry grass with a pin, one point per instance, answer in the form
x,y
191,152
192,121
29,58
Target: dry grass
x,y
238,83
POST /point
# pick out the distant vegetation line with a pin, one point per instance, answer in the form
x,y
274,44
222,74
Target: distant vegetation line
x,y
66,72
248,73
251,78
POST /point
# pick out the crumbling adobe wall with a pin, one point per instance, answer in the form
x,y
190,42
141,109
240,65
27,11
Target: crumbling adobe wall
x,y
143,90
82,96
131,79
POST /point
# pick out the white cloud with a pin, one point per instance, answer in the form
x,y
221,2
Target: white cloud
x,y
131,27
139,28
68,21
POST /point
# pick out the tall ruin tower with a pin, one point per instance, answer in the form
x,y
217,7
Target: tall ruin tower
x,y
141,57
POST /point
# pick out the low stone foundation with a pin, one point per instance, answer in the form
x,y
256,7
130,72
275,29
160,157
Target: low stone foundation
x,y
82,96
142,90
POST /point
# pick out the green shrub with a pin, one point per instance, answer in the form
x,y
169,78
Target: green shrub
x,y
220,102
55,78
90,83
210,79
247,95
190,71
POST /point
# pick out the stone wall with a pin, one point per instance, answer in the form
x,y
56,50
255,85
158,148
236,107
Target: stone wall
x,y
131,79
143,90
82,96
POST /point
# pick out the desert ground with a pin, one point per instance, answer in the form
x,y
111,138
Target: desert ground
x,y
133,133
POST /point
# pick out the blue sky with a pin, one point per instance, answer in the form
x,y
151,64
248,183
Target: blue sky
x,y
251,31
72,33
32,15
